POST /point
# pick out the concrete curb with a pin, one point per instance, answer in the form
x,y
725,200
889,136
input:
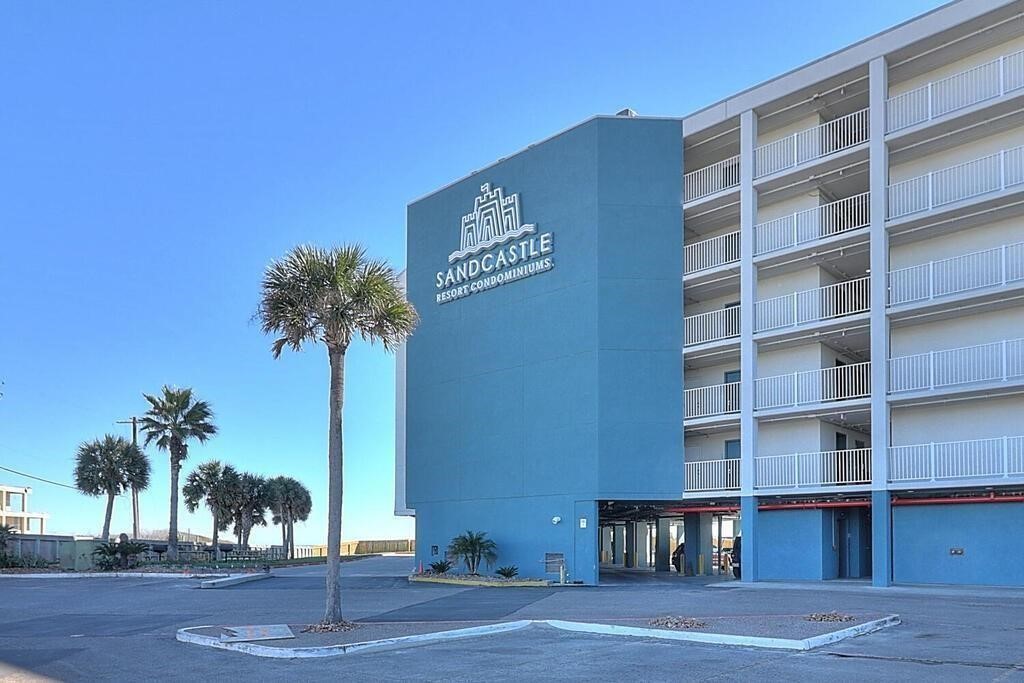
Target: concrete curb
x,y
727,639
521,583
185,635
112,575
234,580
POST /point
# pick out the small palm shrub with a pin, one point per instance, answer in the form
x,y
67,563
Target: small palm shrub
x,y
120,555
508,572
472,547
441,567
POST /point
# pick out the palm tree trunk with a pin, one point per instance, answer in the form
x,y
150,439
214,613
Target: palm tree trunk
x,y
284,535
246,525
172,526
216,540
335,488
106,518
291,538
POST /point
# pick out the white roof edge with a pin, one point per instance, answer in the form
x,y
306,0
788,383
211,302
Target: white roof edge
x,y
890,40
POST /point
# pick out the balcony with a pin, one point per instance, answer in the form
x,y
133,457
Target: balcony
x,y
813,470
999,458
1001,361
939,98
710,180
705,328
985,175
812,225
841,383
813,305
711,253
717,399
713,475
812,143
977,270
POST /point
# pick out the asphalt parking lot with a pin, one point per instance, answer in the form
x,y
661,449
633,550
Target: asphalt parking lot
x,y
123,629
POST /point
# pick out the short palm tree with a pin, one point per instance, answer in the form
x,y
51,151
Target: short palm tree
x,y
174,418
217,485
332,296
472,547
110,466
290,502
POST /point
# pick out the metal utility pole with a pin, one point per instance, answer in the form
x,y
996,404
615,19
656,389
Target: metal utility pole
x,y
134,422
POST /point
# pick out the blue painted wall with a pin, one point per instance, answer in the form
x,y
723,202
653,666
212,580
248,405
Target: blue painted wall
x,y
795,545
539,397
989,534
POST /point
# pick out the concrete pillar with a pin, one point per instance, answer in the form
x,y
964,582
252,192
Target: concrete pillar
x,y
630,547
662,554
607,533
881,538
748,546
619,544
881,546
691,537
706,542
642,548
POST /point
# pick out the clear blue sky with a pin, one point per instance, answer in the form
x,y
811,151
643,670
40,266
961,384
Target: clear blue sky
x,y
155,157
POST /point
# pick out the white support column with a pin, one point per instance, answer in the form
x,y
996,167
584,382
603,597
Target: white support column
x,y
748,295
880,433
748,349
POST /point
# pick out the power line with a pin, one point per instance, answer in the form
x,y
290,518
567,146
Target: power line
x,y
30,476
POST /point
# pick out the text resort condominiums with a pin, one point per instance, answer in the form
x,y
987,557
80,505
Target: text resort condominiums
x,y
780,338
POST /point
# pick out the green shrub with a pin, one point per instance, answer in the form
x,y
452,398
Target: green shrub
x,y
26,561
509,572
441,567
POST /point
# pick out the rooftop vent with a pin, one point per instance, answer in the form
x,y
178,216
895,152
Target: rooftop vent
x,y
627,112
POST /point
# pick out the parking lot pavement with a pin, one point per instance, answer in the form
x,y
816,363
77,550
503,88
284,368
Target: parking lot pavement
x,y
123,629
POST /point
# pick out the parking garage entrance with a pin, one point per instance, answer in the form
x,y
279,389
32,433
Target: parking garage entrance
x,y
645,541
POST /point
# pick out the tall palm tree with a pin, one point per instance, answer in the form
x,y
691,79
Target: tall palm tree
x,y
290,502
175,417
217,485
250,506
109,467
332,296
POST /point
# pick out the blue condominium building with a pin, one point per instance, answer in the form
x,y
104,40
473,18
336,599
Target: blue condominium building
x,y
794,317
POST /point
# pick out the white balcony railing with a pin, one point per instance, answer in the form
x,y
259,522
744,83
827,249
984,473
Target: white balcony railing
x,y
827,468
713,475
701,328
706,181
813,305
811,143
989,458
977,270
993,362
813,224
974,178
938,98
711,253
840,383
718,399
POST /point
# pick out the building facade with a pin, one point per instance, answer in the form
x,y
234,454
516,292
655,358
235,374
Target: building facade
x,y
796,315
14,511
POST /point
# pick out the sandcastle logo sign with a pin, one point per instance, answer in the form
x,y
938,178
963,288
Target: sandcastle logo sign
x,y
495,248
